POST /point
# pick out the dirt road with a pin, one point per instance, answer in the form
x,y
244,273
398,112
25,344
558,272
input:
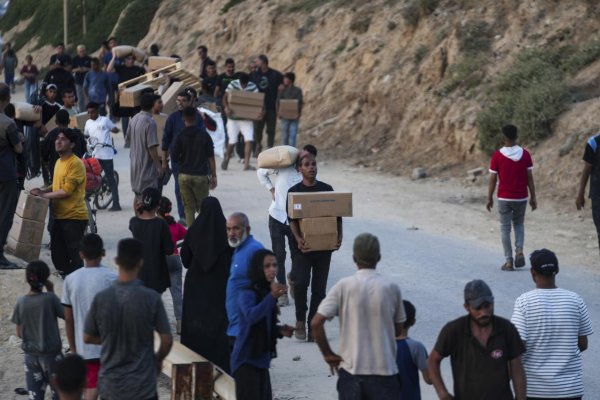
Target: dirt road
x,y
435,234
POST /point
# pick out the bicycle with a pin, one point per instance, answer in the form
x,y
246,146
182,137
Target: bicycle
x,y
102,194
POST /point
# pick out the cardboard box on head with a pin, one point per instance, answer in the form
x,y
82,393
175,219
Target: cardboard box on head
x,y
124,51
319,204
278,157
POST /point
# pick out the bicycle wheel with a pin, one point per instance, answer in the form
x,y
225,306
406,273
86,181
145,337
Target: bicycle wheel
x,y
91,226
116,175
103,197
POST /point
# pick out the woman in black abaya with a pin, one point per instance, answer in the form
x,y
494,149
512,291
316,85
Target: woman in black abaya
x,y
207,256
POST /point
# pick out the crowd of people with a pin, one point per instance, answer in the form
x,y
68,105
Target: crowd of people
x,y
227,307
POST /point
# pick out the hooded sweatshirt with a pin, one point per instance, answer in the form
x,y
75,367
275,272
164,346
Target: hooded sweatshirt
x,y
512,165
191,150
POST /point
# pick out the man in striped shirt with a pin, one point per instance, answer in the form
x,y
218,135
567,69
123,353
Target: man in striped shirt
x,y
554,325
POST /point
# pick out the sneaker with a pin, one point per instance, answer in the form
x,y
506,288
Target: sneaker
x,y
290,286
519,260
283,301
300,331
6,264
115,207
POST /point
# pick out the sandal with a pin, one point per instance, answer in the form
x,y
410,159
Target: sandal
x,y
249,168
508,266
519,260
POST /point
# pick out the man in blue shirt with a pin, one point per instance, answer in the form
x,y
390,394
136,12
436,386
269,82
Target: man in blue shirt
x,y
96,86
239,237
173,127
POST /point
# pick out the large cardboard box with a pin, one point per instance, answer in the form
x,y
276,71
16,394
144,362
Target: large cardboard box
x,y
25,251
27,230
157,62
278,157
289,109
246,105
24,112
78,121
320,233
51,124
319,204
169,97
131,96
32,207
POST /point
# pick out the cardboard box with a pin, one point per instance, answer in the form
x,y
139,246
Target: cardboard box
x,y
78,121
161,120
25,251
289,109
157,62
278,157
319,204
169,97
24,112
245,112
51,124
240,97
320,233
32,207
131,96
27,230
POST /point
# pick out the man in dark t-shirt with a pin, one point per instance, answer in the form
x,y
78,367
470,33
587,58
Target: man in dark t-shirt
x,y
224,79
82,63
123,319
308,262
268,81
485,351
591,172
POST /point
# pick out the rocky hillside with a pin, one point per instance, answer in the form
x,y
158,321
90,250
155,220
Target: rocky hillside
x,y
395,84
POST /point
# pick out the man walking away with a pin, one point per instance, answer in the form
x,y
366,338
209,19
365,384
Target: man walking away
x,y
268,81
289,127
123,319
554,324
512,166
485,352
82,63
371,314
591,172
194,151
10,146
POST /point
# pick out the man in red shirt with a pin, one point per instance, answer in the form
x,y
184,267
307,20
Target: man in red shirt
x,y
513,167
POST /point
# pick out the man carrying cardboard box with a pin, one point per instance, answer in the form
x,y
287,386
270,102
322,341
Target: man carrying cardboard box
x,y
307,261
10,146
289,109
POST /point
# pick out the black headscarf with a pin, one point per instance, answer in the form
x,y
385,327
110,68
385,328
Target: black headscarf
x,y
259,337
206,239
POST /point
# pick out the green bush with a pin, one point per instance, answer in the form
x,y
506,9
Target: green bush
x,y
465,74
531,95
420,54
229,5
474,37
582,56
411,14
428,6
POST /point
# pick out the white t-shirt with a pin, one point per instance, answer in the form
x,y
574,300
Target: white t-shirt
x,y
99,132
79,290
369,306
550,322
286,178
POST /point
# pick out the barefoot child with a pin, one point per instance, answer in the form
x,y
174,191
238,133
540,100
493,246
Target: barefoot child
x,y
35,315
173,261
154,233
411,357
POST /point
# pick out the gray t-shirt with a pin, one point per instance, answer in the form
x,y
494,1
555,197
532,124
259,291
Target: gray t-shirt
x,y
125,317
79,290
37,313
142,132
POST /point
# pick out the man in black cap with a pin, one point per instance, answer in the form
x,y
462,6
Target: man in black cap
x,y
485,351
554,340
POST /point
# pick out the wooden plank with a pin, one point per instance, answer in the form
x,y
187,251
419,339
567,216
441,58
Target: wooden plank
x,y
181,381
203,380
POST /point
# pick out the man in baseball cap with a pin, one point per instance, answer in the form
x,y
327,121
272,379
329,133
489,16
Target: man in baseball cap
x,y
485,351
554,341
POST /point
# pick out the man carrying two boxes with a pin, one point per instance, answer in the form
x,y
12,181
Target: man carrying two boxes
x,y
316,225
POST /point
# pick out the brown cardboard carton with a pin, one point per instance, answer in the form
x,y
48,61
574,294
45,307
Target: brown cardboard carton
x,y
78,121
169,97
320,233
239,111
32,207
254,99
319,204
51,124
27,230
25,251
278,157
24,112
124,51
289,109
157,62
131,96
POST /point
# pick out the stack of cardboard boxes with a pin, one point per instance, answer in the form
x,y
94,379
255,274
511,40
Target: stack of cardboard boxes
x,y
25,236
318,213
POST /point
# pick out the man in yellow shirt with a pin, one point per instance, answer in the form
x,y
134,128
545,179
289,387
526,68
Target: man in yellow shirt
x,y
67,196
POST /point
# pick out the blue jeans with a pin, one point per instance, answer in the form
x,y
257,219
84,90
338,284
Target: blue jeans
x,y
512,213
367,387
30,88
38,372
289,131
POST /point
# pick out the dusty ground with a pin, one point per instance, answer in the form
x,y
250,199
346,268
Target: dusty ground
x,y
436,235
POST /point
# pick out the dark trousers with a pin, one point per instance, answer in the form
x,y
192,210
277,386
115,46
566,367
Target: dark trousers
x,y
180,209
367,387
64,244
9,196
315,263
109,168
596,216
252,383
278,233
270,120
125,125
554,398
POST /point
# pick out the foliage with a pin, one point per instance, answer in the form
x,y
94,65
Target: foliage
x,y
474,37
420,54
229,5
466,73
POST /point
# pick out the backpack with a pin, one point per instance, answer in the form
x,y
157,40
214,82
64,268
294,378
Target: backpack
x,y
93,174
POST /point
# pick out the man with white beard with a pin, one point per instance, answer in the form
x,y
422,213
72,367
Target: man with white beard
x,y
239,238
